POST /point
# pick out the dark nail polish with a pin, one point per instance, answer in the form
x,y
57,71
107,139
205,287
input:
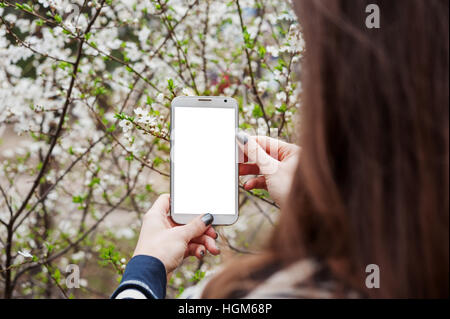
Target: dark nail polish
x,y
202,253
207,219
242,138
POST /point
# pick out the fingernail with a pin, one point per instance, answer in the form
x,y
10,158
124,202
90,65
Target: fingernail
x,y
242,138
207,219
217,235
202,253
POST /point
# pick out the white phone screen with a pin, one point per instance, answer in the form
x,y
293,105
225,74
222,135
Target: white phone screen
x,y
204,165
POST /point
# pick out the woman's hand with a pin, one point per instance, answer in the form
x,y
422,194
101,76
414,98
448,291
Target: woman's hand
x,y
274,160
160,237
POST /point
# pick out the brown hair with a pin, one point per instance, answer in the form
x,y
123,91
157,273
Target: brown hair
x,y
373,183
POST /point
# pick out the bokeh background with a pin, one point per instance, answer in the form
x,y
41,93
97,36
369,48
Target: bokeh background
x,y
85,92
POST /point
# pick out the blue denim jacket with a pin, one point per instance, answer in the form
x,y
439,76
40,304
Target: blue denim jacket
x,y
144,277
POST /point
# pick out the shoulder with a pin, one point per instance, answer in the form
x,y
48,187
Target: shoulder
x,y
306,278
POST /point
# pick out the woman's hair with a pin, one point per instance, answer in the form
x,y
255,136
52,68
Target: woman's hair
x,y
372,185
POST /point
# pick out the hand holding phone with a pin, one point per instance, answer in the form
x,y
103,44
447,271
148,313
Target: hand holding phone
x,y
204,165
161,238
272,161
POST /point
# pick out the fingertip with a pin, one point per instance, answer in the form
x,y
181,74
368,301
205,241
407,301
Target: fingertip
x,y
200,252
215,251
214,248
165,196
207,219
163,200
211,232
242,138
196,227
196,250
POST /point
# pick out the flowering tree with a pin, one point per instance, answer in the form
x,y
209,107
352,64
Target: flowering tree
x,y
85,92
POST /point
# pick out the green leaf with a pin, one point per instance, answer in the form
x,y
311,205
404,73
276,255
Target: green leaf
x,y
27,7
280,65
120,116
157,161
171,86
64,65
99,91
257,111
94,181
112,128
149,100
49,247
180,291
261,192
129,157
78,199
57,275
57,18
261,51
282,108
249,43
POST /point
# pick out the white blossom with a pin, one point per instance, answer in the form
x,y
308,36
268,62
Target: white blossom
x,y
25,254
160,98
281,96
188,92
125,125
119,101
262,86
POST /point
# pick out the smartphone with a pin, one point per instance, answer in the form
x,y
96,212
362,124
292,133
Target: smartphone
x,y
204,159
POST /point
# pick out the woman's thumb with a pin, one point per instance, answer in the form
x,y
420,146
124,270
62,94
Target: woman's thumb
x,y
196,227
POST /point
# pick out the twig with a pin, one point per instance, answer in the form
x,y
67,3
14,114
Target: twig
x,y
203,40
72,244
49,268
7,204
28,46
260,197
250,70
68,169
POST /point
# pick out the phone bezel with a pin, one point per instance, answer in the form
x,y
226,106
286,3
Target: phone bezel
x,y
206,102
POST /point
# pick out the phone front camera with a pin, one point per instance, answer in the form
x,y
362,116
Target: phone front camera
x,y
226,101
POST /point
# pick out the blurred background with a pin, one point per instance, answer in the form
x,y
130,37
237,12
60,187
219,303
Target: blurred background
x,y
85,92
